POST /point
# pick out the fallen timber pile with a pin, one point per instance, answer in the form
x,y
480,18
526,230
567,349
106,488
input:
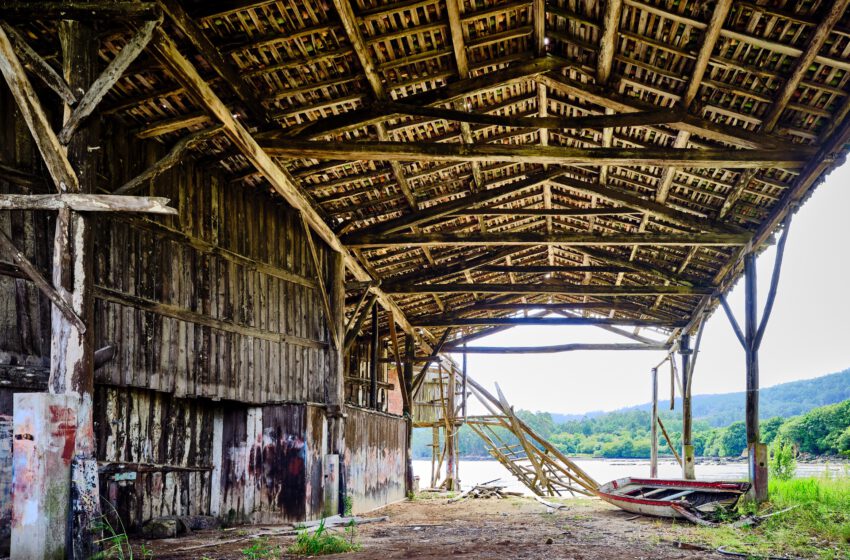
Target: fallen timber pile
x,y
486,491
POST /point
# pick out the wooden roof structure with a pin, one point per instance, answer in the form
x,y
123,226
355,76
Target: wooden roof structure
x,y
608,161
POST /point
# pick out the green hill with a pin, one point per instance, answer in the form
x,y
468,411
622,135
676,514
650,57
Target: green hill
x,y
814,414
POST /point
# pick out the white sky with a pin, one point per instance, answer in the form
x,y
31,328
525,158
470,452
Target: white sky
x,y
807,335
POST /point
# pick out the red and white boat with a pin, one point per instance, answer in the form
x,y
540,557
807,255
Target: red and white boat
x,y
685,499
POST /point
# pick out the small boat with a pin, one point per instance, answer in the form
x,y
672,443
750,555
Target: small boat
x,y
685,499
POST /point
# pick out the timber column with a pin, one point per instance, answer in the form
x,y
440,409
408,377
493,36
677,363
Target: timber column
x,y
335,490
756,451
653,431
687,419
72,351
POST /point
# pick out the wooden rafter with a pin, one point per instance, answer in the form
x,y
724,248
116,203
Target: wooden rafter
x,y
556,155
533,238
550,288
281,181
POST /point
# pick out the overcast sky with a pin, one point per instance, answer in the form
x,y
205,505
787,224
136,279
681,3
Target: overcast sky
x,y
808,335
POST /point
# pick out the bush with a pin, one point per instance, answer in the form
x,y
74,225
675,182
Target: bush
x,y
783,460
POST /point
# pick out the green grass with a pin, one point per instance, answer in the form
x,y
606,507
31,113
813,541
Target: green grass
x,y
261,549
817,527
322,542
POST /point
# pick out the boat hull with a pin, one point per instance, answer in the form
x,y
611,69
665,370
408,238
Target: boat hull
x,y
635,495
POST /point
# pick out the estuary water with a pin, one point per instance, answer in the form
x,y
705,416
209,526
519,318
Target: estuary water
x,y
604,470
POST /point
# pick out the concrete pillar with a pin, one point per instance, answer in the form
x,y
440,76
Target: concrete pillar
x,y
45,427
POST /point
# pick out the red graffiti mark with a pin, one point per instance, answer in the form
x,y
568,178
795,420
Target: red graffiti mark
x,y
64,418
69,432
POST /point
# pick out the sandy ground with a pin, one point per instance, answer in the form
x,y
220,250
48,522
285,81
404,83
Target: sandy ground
x,y
474,528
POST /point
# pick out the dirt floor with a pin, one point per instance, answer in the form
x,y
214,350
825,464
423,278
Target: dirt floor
x,y
474,528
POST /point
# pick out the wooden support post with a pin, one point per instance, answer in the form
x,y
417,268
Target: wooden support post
x,y
756,451
463,385
335,385
451,431
373,362
653,432
687,420
407,379
72,351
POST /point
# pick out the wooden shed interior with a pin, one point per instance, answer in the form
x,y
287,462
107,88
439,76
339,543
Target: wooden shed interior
x,y
235,234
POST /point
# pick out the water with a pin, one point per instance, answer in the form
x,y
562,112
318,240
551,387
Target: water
x,y
604,470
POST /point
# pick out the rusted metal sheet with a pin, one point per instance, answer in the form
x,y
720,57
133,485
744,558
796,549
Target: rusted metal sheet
x,y
374,464
165,442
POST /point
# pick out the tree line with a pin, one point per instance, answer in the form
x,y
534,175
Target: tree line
x,y
626,434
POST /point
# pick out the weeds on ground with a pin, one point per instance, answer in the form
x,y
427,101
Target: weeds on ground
x,y
323,542
817,527
113,543
348,506
261,549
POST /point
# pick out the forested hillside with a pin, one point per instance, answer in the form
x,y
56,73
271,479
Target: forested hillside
x,y
822,430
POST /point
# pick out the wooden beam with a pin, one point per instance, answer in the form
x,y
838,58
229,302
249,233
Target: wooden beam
x,y
111,74
457,267
541,321
172,158
553,307
560,288
639,118
330,321
38,66
359,118
555,212
183,71
40,281
694,125
84,11
53,153
445,209
354,330
709,40
553,349
650,207
608,39
801,67
556,155
547,269
87,203
534,238
225,69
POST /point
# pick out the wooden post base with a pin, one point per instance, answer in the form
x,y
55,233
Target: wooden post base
x,y
688,462
757,460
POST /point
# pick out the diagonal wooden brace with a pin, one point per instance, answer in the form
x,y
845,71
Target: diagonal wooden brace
x,y
107,79
41,282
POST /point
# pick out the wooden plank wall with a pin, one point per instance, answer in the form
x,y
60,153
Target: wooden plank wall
x,y
272,463
374,464
219,302
164,444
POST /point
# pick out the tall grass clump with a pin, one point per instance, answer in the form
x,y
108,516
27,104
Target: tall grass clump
x,y
783,460
323,542
820,520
